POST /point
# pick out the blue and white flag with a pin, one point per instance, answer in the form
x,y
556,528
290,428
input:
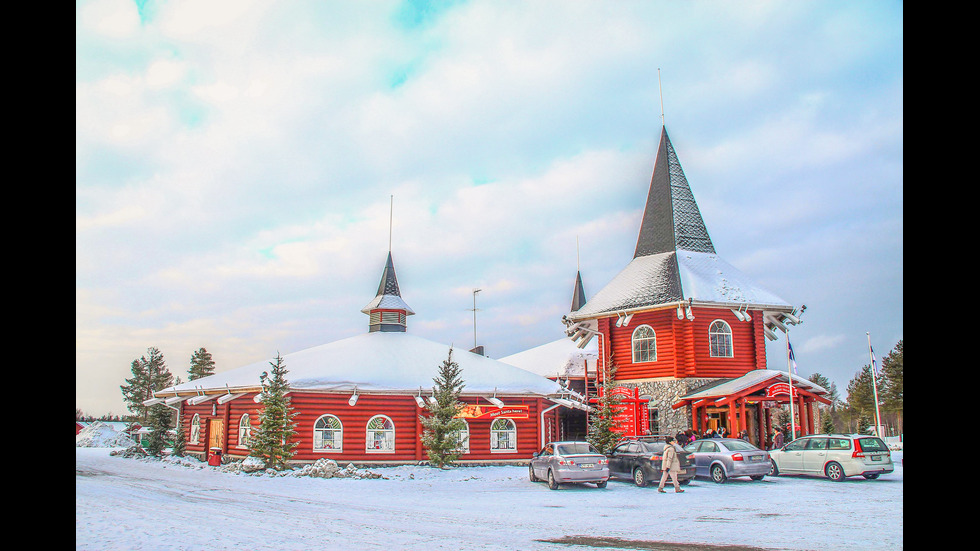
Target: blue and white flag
x,y
792,358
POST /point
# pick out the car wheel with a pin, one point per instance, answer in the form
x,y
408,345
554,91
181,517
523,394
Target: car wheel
x,y
835,472
773,469
530,473
871,476
718,474
639,478
685,482
551,481
601,484
758,477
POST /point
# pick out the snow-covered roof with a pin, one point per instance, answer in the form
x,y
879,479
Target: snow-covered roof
x,y
677,276
750,379
378,362
560,358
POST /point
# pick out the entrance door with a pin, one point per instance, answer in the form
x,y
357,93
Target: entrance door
x,y
216,434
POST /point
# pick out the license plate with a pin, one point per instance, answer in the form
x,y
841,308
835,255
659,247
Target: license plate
x,y
588,465
876,458
755,458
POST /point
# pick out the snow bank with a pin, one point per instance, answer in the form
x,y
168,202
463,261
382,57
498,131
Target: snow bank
x,y
101,435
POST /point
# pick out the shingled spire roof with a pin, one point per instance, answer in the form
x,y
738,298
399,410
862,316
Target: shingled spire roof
x,y
671,219
674,260
578,294
388,310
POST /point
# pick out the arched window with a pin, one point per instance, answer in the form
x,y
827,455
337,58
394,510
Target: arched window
x,y
464,438
195,429
328,434
644,344
503,436
244,431
720,336
380,435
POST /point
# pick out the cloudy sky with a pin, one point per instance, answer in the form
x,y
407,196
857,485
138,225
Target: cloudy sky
x,y
236,163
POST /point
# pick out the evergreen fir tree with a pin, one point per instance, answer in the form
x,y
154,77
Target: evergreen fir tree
x,y
149,375
159,417
600,432
442,436
893,384
202,364
180,440
272,441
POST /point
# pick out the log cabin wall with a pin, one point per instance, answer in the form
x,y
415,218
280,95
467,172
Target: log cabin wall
x,y
402,410
683,346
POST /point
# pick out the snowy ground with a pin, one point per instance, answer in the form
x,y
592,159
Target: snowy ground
x,y
136,504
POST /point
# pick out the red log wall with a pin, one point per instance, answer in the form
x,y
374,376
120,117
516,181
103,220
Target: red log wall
x,y
683,346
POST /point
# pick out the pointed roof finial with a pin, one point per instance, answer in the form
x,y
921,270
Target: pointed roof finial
x,y
660,84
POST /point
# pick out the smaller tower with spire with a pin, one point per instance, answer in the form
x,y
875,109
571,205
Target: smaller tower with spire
x,y
388,312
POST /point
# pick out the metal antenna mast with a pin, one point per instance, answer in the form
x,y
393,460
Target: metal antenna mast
x,y
475,291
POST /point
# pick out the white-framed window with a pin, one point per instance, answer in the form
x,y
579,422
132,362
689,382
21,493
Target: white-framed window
x,y
503,436
328,434
720,338
644,344
464,438
244,431
380,435
195,429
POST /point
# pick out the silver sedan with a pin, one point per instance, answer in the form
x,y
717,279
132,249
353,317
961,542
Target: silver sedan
x,y
561,462
722,458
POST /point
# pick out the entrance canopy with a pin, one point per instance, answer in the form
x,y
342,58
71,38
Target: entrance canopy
x,y
756,391
756,385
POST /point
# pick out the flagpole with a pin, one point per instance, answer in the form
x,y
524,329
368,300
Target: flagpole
x,y
874,385
789,371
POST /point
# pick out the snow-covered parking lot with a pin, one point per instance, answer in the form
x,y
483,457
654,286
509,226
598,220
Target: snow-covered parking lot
x,y
148,504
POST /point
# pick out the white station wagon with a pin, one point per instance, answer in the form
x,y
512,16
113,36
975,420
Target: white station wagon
x,y
836,456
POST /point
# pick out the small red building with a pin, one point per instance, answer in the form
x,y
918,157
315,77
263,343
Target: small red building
x,y
359,399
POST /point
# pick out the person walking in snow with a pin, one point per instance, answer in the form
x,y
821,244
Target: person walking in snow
x,y
670,466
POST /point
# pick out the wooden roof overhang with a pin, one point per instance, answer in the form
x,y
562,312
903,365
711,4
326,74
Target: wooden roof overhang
x,y
723,397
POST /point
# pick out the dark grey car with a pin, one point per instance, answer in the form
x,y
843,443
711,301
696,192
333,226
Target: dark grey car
x,y
722,458
561,462
640,460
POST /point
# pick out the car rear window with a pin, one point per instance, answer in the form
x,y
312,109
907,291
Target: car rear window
x,y
652,447
872,444
739,446
577,448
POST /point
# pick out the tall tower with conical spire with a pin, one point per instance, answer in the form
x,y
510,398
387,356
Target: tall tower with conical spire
x,y
388,311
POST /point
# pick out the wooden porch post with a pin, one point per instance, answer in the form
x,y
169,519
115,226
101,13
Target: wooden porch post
x,y
732,419
745,420
803,417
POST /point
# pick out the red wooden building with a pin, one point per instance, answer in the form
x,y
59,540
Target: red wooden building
x,y
678,317
359,399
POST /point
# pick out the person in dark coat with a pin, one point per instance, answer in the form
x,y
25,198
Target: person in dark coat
x,y
681,438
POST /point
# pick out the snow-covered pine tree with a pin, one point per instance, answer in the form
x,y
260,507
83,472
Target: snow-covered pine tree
x,y
202,364
149,375
159,419
442,434
272,441
180,440
600,432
